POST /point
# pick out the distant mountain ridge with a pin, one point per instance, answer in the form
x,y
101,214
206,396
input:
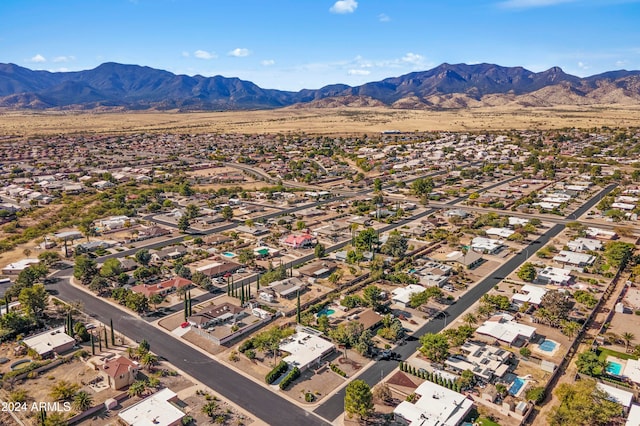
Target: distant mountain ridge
x,y
133,87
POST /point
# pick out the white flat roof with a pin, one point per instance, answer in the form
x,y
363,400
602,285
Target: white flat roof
x,y
304,348
403,294
437,406
532,294
48,341
632,370
21,264
154,410
633,419
505,328
622,397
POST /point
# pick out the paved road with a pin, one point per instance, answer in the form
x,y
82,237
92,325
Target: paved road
x,y
334,406
259,401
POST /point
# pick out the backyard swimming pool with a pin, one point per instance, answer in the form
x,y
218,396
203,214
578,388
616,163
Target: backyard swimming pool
x,y
547,346
614,368
516,386
228,254
326,312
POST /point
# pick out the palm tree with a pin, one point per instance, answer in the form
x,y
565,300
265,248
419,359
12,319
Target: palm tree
x,y
137,388
82,401
149,360
627,337
210,409
470,319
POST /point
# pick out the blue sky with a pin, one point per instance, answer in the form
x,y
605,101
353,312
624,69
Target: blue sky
x,y
295,44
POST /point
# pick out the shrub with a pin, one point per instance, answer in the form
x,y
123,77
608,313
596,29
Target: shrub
x,y
278,370
250,353
337,370
246,345
293,374
309,397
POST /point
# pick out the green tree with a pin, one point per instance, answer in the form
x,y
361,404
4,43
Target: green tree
x,y
82,401
201,280
372,296
358,399
582,403
227,213
319,250
137,302
422,187
246,256
63,390
34,300
85,269
156,299
192,211
149,360
366,239
183,223
588,363
110,268
143,257
628,337
396,245
527,272
435,347
49,258
137,388
536,394
98,284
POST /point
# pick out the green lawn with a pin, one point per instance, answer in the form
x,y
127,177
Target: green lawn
x,y
603,353
486,422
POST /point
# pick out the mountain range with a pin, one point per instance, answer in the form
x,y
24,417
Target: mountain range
x,y
133,87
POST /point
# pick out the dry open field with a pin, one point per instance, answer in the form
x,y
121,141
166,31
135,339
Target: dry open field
x,y
317,121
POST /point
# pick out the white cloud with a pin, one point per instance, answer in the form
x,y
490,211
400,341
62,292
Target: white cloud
x,y
621,63
383,18
38,59
525,4
413,58
583,66
344,6
185,54
64,58
203,54
239,52
358,72
267,62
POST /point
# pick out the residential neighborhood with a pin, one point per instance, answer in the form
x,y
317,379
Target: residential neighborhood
x,y
405,278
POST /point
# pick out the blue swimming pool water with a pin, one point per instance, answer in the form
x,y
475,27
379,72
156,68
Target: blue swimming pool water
x,y
228,254
327,312
516,386
614,368
547,346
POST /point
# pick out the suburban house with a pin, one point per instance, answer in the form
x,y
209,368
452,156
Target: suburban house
x,y
173,252
219,268
402,295
529,294
19,266
556,276
318,269
159,409
601,234
119,372
299,241
485,361
162,288
50,342
581,245
287,288
470,259
306,348
216,314
500,232
505,328
437,405
486,245
574,260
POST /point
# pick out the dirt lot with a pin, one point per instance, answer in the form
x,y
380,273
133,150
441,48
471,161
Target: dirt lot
x,y
317,121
